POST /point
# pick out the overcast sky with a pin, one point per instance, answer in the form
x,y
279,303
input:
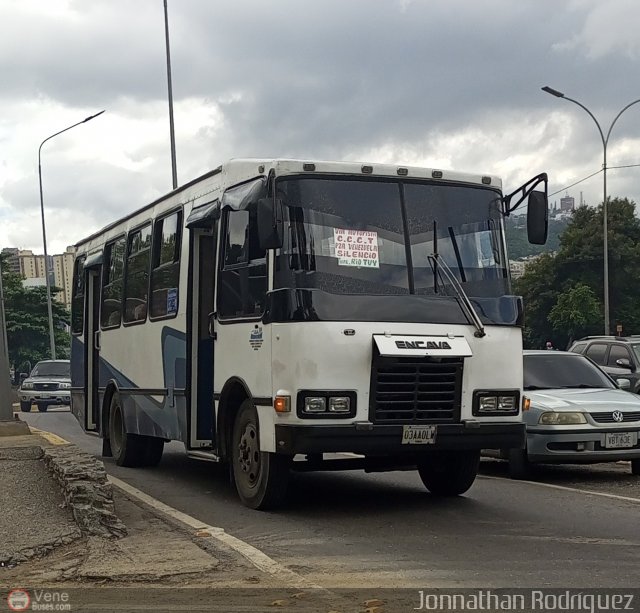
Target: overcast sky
x,y
450,84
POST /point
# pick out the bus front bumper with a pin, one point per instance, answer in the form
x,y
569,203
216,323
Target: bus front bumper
x,y
374,439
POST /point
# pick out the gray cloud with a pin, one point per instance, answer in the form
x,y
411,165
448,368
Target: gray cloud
x,y
453,81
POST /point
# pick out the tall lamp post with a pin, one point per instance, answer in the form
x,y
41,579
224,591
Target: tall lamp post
x,y
605,142
52,341
174,172
6,410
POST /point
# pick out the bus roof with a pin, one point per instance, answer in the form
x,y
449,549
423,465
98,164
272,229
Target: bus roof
x,y
209,186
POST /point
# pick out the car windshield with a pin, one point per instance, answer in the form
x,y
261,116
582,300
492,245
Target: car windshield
x,y
51,369
562,370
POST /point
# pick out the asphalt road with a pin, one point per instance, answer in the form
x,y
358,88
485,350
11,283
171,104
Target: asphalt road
x,y
355,529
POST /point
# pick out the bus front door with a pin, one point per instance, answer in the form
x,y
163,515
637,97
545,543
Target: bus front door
x,y
202,431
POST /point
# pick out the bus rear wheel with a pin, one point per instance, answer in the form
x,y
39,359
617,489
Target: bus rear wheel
x,y
261,478
449,473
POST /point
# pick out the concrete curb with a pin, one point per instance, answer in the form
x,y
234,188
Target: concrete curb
x,y
14,427
88,493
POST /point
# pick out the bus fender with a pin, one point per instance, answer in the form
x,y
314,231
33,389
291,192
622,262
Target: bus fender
x,y
234,392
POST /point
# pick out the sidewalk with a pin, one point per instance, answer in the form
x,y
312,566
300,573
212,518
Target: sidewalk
x,y
64,528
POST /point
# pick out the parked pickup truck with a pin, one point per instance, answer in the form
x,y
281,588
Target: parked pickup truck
x,y
49,383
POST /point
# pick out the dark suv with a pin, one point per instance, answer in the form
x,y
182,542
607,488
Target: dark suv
x,y
618,356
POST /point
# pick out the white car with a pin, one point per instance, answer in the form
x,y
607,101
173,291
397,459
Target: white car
x,y
576,414
49,383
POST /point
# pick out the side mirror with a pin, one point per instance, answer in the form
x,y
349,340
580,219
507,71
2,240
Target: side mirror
x,y
23,376
624,363
537,218
269,214
623,384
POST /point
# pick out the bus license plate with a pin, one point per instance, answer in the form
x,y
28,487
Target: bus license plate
x,y
418,435
620,440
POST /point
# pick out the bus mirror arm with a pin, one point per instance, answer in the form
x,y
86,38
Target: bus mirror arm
x,y
537,208
270,223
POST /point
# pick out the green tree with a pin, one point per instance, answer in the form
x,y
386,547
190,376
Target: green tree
x,y
579,261
537,288
27,321
576,313
517,244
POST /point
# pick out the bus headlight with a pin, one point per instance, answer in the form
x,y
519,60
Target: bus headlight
x,y
325,404
339,404
498,402
315,404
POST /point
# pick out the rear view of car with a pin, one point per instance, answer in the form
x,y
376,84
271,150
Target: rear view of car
x,y
48,384
576,414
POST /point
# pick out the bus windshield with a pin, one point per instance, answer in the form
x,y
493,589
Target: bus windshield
x,y
349,236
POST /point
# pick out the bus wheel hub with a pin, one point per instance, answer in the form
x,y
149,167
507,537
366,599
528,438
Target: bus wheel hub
x,y
248,452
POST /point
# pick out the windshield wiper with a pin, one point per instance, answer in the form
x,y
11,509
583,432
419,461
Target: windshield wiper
x,y
465,303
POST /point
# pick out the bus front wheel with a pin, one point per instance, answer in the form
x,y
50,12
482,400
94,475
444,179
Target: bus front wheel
x,y
449,473
261,478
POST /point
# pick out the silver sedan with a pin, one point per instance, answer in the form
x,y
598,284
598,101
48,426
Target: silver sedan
x,y
575,414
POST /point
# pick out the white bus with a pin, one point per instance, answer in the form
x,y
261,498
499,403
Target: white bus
x,y
285,315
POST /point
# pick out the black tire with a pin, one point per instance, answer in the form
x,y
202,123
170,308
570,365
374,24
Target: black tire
x,y
128,449
153,450
260,478
635,466
25,407
449,473
519,466
43,408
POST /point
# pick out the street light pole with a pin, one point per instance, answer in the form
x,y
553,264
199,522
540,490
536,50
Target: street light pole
x,y
172,136
605,228
52,341
6,410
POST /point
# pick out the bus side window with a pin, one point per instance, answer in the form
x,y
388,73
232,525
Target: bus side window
x,y
112,276
77,301
165,266
136,277
243,278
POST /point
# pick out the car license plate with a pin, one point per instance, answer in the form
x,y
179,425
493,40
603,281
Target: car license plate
x,y
45,395
620,440
418,435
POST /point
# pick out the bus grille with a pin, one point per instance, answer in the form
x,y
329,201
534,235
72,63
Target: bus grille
x,y
416,390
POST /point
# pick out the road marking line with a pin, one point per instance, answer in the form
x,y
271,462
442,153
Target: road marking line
x,y
568,489
54,439
258,558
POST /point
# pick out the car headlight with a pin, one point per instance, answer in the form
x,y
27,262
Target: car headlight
x,y
27,385
496,402
64,386
562,418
